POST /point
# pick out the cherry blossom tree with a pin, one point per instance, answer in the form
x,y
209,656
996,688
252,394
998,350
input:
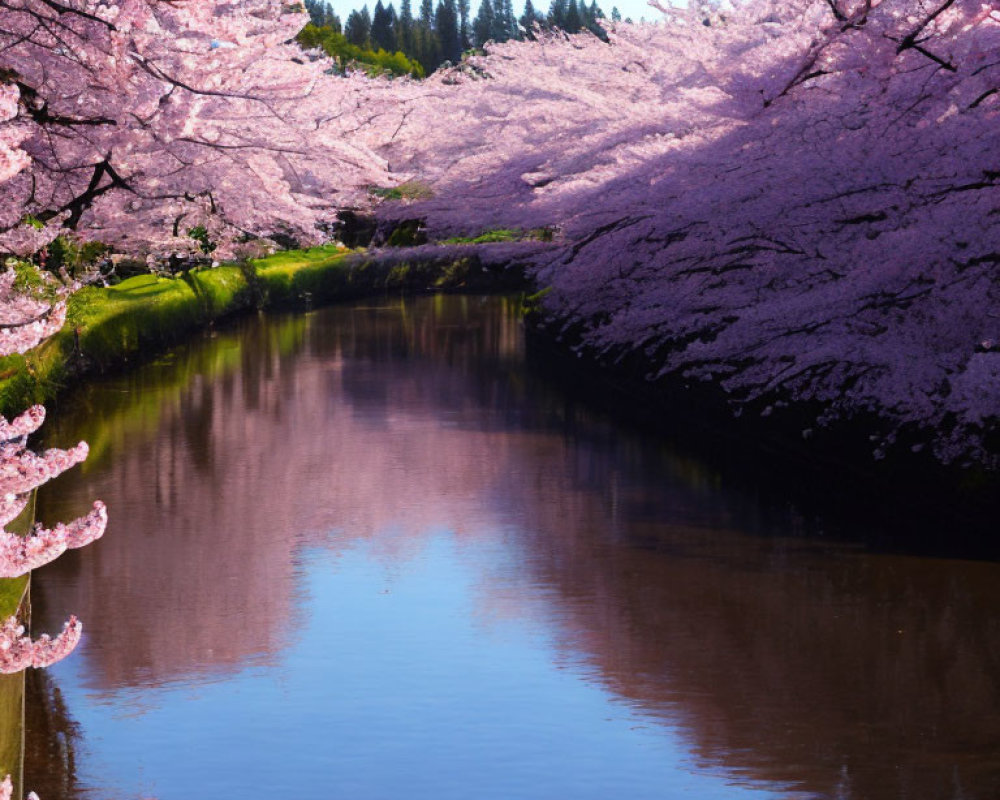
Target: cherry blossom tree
x,y
136,121
796,201
25,322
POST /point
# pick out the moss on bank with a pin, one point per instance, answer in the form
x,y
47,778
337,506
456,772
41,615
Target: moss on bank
x,y
110,327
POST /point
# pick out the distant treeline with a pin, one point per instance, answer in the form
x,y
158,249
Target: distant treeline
x,y
404,44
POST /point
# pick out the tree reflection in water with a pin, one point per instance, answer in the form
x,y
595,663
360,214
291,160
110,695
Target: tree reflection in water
x,y
783,659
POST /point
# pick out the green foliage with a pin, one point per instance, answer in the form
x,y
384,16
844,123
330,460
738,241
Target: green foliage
x,y
409,233
408,190
200,234
321,14
503,235
111,326
34,282
71,254
497,235
531,304
348,55
454,274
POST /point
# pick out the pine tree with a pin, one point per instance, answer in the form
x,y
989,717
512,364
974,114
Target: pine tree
x,y
393,26
573,20
322,15
359,27
616,15
557,14
463,26
427,44
529,19
482,25
510,21
404,28
446,25
382,34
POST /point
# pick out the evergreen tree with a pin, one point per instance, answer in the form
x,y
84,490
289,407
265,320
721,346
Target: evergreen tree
x,y
393,26
463,24
503,21
482,26
382,34
616,15
322,15
427,14
509,20
530,18
497,32
591,15
315,11
446,26
427,46
359,27
557,14
573,21
404,28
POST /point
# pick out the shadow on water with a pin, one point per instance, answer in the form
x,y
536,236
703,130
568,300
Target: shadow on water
x,y
835,490
789,663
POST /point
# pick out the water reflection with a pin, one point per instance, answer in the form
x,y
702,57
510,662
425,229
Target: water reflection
x,y
314,502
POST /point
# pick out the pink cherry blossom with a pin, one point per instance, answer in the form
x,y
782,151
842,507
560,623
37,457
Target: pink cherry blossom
x,y
21,554
124,122
23,424
795,201
19,651
24,322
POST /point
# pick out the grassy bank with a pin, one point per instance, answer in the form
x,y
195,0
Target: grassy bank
x,y
11,690
108,328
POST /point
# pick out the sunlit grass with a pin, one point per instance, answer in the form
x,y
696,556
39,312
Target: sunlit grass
x,y
108,327
503,235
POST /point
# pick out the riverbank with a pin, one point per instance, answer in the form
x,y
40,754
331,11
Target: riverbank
x,y
13,592
13,599
111,327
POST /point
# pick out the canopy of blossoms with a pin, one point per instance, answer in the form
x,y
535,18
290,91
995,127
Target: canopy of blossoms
x,y
134,121
797,201
24,322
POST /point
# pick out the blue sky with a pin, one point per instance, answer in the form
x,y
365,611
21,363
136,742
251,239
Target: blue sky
x,y
629,8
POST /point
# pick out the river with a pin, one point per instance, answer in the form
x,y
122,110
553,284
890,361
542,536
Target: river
x,y
368,552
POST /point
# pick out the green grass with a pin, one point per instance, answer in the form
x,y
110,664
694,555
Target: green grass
x,y
408,190
503,235
111,327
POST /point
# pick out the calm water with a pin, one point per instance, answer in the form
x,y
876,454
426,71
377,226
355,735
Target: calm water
x,y
367,553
